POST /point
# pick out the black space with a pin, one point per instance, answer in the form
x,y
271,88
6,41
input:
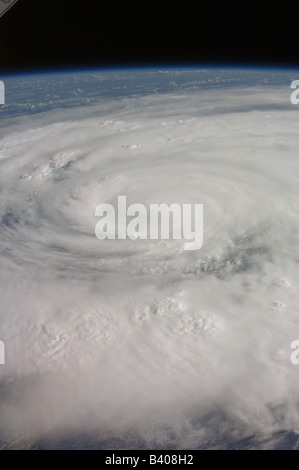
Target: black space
x,y
37,34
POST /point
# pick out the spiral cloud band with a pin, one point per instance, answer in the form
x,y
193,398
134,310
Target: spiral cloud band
x,y
126,343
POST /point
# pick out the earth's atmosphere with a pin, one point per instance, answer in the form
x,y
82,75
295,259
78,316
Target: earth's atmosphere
x,y
123,344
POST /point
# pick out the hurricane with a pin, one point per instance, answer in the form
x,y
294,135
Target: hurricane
x,y
140,344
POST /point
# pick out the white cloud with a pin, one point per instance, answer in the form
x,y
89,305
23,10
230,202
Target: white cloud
x,y
124,335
